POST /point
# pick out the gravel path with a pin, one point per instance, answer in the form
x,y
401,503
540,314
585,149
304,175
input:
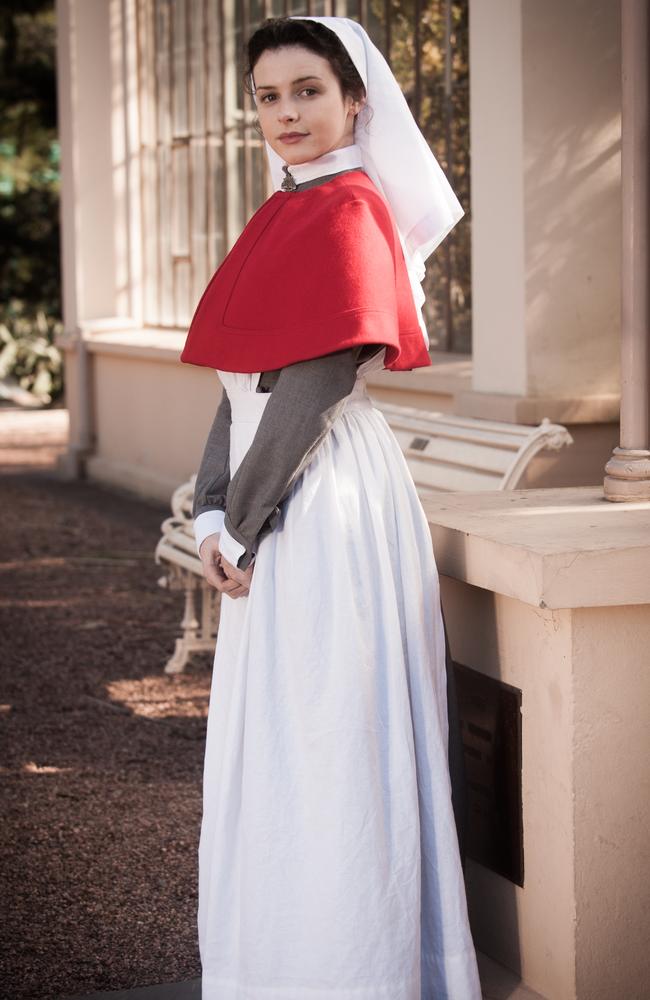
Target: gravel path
x,y
102,752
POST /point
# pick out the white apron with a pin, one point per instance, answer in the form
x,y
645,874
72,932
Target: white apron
x,y
329,864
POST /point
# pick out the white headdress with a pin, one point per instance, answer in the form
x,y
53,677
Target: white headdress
x,y
395,155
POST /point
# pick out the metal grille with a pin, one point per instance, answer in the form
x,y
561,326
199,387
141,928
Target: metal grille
x,y
203,165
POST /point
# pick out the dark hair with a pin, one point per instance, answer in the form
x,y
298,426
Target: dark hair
x,y
276,32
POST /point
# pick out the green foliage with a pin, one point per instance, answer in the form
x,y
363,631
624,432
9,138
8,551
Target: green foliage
x,y
29,156
28,354
440,106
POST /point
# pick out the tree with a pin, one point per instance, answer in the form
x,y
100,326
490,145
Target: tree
x,y
29,157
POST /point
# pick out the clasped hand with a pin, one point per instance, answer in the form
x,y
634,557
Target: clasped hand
x,y
222,574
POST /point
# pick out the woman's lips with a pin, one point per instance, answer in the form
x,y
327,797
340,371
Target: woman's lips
x,y
293,138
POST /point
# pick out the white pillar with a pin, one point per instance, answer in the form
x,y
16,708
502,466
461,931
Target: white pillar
x,y
628,470
99,250
545,208
84,76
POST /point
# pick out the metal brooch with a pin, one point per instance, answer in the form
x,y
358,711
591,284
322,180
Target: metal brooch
x,y
289,182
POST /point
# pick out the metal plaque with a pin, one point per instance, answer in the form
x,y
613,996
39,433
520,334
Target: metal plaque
x,y
490,722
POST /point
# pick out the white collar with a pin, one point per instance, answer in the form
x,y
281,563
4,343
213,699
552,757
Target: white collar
x,y
344,158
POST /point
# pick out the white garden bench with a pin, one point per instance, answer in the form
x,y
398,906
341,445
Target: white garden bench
x,y
444,453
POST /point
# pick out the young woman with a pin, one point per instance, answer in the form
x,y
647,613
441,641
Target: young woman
x,y
329,862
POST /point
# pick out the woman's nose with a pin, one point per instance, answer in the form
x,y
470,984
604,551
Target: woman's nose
x,y
286,113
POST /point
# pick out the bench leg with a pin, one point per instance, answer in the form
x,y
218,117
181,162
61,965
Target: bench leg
x,y
190,627
177,661
197,636
210,608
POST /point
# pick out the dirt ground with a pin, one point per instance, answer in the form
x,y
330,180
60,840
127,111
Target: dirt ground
x,y
102,752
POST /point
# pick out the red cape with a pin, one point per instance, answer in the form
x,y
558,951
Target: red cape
x,y
313,272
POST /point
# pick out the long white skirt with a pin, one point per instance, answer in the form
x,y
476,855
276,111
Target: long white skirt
x,y
329,864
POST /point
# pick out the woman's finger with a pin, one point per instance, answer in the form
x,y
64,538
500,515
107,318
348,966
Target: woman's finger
x,y
242,576
213,577
233,588
214,573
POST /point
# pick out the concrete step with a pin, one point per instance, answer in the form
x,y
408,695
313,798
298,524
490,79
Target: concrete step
x,y
497,983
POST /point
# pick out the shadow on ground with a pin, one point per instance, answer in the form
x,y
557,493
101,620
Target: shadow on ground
x,y
101,772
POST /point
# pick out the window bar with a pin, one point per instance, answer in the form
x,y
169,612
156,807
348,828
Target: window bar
x,y
387,30
266,184
446,244
162,166
142,112
171,172
183,319
246,115
206,139
225,186
417,47
230,153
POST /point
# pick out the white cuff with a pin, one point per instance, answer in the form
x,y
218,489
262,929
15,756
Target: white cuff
x,y
207,523
230,547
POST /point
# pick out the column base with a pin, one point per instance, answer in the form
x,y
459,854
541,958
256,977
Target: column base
x,y
627,475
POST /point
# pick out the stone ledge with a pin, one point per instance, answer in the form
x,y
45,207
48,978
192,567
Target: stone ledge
x,y
551,548
122,336
450,375
603,408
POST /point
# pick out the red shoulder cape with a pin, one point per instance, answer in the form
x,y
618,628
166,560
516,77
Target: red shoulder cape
x,y
313,272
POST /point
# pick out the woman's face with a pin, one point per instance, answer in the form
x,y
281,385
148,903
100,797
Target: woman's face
x,y
296,91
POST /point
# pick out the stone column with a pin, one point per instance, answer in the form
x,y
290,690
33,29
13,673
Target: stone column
x,y
545,134
628,470
99,190
87,253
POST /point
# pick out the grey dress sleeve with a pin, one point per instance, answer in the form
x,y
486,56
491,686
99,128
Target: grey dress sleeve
x,y
306,399
214,472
